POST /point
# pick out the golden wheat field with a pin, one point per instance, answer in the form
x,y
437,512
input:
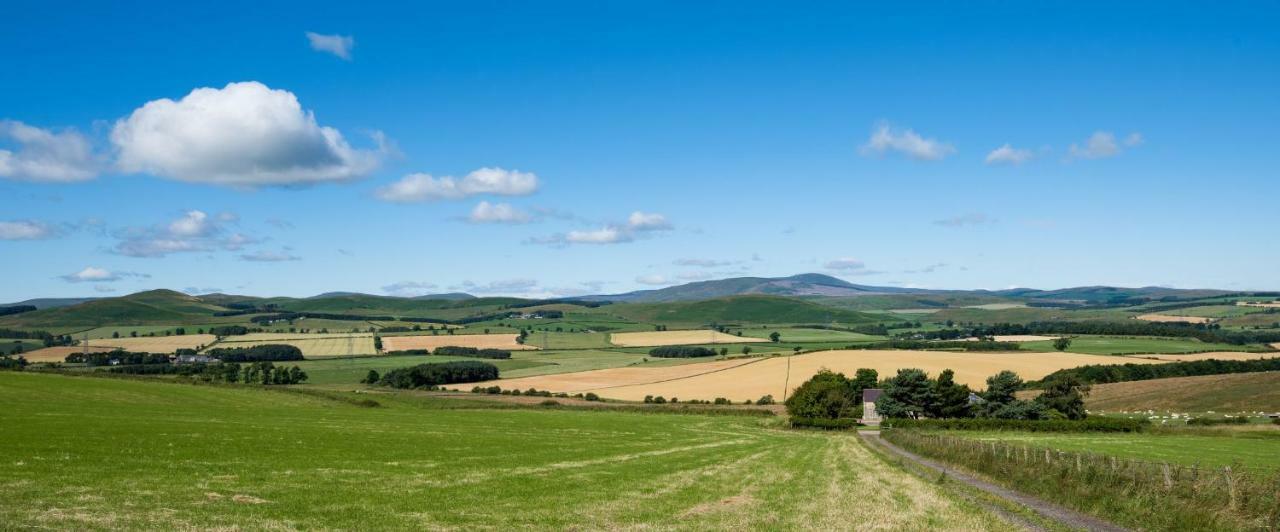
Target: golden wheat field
x,y
156,344
59,354
743,379
333,346
1165,318
660,338
1219,355
480,341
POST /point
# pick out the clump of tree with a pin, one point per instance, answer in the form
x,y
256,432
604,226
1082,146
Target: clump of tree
x,y
371,378
1062,343
228,330
8,363
16,309
1101,374
829,396
457,351
257,353
681,351
117,357
267,373
424,375
775,337
977,345
228,373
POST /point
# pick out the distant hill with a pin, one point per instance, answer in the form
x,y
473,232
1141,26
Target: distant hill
x,y
808,284
153,306
449,296
1101,294
51,302
747,308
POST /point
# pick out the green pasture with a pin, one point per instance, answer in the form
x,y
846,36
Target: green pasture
x,y
92,453
1255,449
352,369
1111,345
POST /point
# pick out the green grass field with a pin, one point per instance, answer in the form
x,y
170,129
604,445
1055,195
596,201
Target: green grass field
x,y
1112,345
1254,449
126,454
351,370
17,346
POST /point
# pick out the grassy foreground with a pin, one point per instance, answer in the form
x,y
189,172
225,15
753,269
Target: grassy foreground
x,y
105,453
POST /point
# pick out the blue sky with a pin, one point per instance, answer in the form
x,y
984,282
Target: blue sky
x,y
295,149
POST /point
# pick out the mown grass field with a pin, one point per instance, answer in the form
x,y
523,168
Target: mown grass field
x,y
113,453
1112,345
1257,449
321,347
351,370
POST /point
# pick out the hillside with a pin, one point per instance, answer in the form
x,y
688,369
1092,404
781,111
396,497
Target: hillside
x,y
749,308
150,307
1237,392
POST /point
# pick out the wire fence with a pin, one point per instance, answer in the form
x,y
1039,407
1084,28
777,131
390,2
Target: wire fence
x,y
1238,496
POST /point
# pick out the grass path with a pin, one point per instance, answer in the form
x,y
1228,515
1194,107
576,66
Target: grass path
x,y
124,454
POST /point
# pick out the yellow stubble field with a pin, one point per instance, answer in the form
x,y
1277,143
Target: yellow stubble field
x,y
661,338
479,341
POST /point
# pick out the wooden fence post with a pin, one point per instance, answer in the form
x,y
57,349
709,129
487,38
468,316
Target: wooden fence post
x,y
1168,480
1231,487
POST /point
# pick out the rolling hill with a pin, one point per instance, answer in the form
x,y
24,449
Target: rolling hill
x,y
747,308
808,284
142,308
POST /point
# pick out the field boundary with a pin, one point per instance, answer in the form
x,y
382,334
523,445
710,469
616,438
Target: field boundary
x,y
1044,509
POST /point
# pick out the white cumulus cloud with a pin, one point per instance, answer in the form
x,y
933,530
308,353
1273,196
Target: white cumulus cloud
x,y
1007,154
25,230
647,221
493,181
339,45
44,155
603,235
245,134
503,213
885,138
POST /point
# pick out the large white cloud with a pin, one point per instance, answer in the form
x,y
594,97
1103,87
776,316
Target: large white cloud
x,y
885,138
47,156
493,181
245,134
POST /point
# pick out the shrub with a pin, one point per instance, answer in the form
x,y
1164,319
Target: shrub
x,y
1092,424
678,351
1207,422
437,374
766,400
823,423
722,401
550,402
591,396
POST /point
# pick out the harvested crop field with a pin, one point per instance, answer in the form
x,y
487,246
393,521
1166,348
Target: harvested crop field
x,y
660,338
156,344
333,346
59,354
1165,318
254,337
739,380
480,341
1218,355
1236,392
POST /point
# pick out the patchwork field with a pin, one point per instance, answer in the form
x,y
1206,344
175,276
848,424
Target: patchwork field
x,y
332,346
751,378
244,458
256,337
1114,345
350,371
156,344
480,341
661,338
59,354
1166,318
1238,392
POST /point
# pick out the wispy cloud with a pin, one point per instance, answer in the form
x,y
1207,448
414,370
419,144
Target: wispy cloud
x,y
269,256
26,230
1103,144
639,224
339,45
845,264
92,274
963,220
702,263
409,288
497,213
885,138
1007,154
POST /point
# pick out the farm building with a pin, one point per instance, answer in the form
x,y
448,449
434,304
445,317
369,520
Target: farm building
x,y
869,398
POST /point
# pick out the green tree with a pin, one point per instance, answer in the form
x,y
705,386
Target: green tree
x,y
907,394
774,336
865,378
1001,388
1061,344
746,350
371,378
826,395
952,399
1066,395
377,343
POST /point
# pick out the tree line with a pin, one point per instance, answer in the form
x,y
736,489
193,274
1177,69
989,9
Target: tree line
x,y
1102,374
1211,333
680,351
257,353
424,375
16,309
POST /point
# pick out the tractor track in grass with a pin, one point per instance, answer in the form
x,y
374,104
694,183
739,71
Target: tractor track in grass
x,y
1044,509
